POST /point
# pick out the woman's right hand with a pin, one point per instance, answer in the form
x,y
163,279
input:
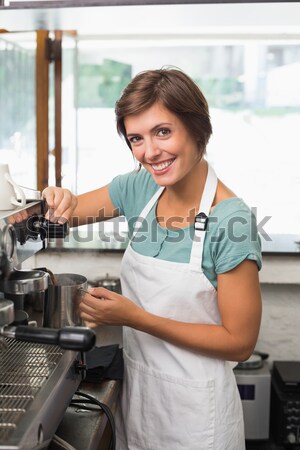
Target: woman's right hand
x,y
61,203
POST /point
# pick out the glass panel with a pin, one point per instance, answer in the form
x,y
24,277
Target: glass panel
x,y
252,89
102,155
17,106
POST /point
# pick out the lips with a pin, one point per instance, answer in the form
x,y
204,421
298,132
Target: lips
x,y
162,166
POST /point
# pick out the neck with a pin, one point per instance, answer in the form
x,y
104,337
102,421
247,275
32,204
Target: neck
x,y
189,190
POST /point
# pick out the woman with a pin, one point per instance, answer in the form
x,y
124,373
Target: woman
x,y
191,298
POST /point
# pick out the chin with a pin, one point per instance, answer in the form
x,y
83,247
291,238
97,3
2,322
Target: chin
x,y
162,181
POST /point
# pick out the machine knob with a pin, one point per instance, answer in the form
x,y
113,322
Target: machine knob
x,y
291,438
39,226
53,230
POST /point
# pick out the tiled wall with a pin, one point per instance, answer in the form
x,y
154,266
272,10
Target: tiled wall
x,y
280,328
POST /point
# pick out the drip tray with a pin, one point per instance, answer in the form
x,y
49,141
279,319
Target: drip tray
x,y
37,382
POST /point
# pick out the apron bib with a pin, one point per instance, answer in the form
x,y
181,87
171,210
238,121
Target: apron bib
x,y
173,398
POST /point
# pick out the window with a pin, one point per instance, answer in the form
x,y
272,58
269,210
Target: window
x,y
17,106
251,86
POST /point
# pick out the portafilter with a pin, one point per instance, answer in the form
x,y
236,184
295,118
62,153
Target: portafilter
x,y
27,281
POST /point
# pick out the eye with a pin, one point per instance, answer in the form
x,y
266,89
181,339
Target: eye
x,y
134,139
162,132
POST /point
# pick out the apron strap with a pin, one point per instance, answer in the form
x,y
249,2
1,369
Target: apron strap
x,y
146,211
201,219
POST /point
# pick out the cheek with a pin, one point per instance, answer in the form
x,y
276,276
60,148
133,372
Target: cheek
x,y
138,153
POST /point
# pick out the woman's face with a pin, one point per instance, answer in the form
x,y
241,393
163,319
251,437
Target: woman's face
x,y
162,144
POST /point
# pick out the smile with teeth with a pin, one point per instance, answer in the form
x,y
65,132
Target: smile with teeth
x,y
163,165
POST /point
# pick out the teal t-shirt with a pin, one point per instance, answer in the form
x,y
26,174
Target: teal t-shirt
x,y
231,236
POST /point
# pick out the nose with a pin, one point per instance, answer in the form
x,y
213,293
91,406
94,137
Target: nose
x,y
152,150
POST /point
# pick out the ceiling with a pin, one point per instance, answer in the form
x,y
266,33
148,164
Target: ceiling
x,y
164,19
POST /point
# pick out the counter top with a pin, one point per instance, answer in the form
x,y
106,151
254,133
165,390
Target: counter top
x,y
91,240
89,430
97,240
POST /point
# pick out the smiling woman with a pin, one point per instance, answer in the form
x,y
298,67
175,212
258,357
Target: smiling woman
x,y
190,298
164,118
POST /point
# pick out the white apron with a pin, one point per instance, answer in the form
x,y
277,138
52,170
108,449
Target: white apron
x,y
173,398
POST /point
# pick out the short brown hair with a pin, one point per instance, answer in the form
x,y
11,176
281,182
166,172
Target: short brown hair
x,y
176,91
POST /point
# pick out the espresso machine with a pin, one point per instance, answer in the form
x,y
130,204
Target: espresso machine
x,y
40,368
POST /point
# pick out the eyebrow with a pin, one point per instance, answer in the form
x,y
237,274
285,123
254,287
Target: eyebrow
x,y
152,129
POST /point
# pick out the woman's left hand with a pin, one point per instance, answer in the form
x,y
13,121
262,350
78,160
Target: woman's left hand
x,y
103,307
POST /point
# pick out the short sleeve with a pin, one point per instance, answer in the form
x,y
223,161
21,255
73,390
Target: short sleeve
x,y
115,189
234,238
130,192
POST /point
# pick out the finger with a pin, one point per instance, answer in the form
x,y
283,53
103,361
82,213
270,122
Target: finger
x,y
90,324
101,292
95,303
53,197
24,214
87,317
16,218
48,195
61,203
65,206
88,308
11,220
66,215
50,215
90,320
55,218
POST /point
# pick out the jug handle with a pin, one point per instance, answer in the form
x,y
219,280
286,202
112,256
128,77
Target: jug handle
x,y
18,190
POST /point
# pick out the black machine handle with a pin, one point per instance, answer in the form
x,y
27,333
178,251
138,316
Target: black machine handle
x,y
54,230
70,338
38,226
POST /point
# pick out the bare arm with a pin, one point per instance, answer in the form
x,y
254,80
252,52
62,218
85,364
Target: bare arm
x,y
94,206
240,308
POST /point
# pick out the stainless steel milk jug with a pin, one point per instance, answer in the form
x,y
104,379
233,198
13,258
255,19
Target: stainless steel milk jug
x,y
62,301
